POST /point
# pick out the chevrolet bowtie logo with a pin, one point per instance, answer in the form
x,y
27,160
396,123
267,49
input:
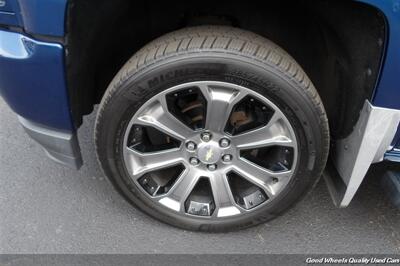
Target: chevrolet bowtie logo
x,y
209,154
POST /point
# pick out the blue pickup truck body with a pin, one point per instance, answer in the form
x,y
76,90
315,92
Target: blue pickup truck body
x,y
33,68
27,64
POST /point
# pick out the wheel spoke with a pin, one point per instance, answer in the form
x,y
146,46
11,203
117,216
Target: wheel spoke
x,y
141,163
158,116
274,133
221,191
184,186
220,102
260,176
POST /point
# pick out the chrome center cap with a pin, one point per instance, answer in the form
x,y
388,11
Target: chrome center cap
x,y
209,153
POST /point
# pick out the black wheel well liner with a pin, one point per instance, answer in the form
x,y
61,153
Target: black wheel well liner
x,y
339,44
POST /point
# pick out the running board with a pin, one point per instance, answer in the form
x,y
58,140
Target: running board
x,y
352,156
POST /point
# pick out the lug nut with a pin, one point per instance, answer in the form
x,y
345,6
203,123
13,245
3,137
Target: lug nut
x,y
212,167
224,143
194,161
191,146
206,136
227,158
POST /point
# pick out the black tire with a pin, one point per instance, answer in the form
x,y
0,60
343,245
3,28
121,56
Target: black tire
x,y
221,54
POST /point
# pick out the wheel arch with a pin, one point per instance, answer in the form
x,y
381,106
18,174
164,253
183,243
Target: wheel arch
x,y
341,57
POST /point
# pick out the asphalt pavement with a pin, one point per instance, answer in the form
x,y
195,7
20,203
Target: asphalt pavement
x,y
48,208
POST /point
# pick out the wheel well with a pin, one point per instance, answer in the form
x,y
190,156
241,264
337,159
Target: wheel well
x,y
338,43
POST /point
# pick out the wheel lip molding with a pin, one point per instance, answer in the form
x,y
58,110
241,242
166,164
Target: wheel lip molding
x,y
367,144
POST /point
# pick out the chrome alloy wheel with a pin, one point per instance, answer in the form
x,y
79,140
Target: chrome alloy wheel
x,y
210,149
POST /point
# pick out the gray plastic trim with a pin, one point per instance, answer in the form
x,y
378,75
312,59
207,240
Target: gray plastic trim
x,y
367,144
61,146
